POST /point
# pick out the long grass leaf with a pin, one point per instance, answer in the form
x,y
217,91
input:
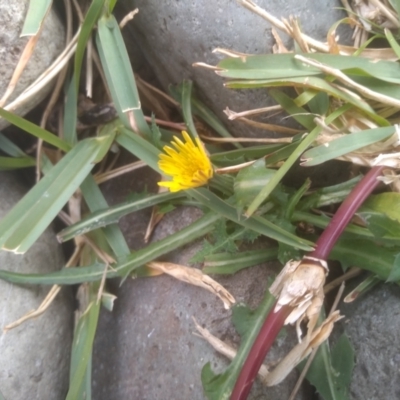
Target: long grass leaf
x,y
226,263
186,102
139,147
10,148
82,351
30,217
285,66
201,110
301,115
96,201
106,216
118,70
9,163
70,114
344,145
316,83
255,223
37,11
270,186
34,130
91,17
72,276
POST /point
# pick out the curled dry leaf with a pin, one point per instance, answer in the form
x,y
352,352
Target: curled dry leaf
x,y
300,286
302,350
194,277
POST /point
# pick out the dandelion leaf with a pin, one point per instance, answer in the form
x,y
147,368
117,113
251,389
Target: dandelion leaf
x,y
330,371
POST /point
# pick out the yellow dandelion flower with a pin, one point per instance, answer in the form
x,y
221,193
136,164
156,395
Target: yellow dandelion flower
x,y
187,164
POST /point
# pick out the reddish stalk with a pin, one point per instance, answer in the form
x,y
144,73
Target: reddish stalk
x,y
275,320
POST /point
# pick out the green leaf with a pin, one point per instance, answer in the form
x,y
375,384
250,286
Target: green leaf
x,y
301,115
225,264
248,323
70,114
96,201
394,275
249,181
273,182
81,354
118,70
9,163
387,203
31,216
186,92
95,272
91,17
380,224
139,147
391,39
109,215
255,223
282,66
37,12
34,130
345,144
315,83
367,255
10,148
319,104
330,373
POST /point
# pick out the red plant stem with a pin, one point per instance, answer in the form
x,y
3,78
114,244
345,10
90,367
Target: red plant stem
x,y
275,320
266,337
345,213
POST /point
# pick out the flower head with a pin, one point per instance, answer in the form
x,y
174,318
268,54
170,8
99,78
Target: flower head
x,y
187,163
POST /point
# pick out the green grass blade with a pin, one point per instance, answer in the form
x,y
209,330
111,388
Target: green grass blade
x,y
315,83
9,163
91,17
270,186
228,263
37,11
186,102
82,350
96,201
10,148
91,273
227,158
345,144
30,217
139,147
118,70
392,41
301,115
106,216
201,110
255,223
285,66
70,114
65,276
34,130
